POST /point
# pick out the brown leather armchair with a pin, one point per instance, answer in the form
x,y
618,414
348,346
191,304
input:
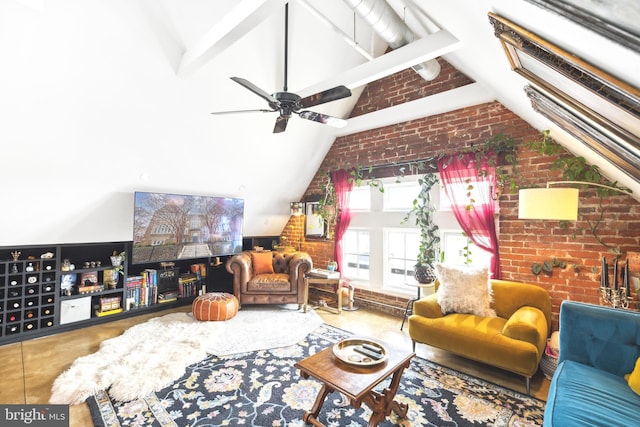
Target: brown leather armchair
x,y
269,277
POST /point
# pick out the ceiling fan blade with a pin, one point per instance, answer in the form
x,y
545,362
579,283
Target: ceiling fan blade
x,y
323,97
323,118
281,124
219,113
273,103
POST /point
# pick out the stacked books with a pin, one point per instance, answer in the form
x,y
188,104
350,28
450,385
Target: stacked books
x,y
323,274
142,290
187,285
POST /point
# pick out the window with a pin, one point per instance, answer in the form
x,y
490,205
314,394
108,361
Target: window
x,y
355,253
460,250
380,250
399,196
401,249
360,198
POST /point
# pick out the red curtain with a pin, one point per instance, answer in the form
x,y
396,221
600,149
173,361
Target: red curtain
x,y
343,186
470,189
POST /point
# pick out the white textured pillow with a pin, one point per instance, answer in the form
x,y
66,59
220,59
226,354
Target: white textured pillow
x,y
464,291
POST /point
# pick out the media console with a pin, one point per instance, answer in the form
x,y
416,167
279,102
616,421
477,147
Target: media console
x,y
46,289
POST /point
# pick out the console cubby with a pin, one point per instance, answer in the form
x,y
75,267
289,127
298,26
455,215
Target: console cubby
x,y
34,300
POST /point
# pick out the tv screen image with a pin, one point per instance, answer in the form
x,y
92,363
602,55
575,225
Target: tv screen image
x,y
172,226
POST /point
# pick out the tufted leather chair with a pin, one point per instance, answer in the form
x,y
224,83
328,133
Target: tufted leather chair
x,y
284,286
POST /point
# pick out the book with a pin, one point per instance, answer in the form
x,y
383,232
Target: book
x,y
323,274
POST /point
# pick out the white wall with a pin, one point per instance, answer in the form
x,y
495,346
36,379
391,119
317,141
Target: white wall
x,y
92,110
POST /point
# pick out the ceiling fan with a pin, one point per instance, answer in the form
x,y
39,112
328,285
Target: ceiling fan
x,y
288,103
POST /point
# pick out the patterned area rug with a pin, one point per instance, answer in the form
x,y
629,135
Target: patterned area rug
x,y
262,388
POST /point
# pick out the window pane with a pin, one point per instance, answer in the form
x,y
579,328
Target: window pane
x,y
400,196
402,249
355,257
459,250
360,198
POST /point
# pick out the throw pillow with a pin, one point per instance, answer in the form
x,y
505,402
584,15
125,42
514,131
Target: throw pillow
x,y
262,262
464,291
634,378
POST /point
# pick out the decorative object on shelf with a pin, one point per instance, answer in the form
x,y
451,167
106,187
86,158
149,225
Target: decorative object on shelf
x,y
619,294
16,255
29,268
110,278
47,255
117,259
332,266
67,282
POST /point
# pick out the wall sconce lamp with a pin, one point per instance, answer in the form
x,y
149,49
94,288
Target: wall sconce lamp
x,y
554,203
296,208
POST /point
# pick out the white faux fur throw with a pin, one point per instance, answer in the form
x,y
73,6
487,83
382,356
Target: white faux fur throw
x,y
152,355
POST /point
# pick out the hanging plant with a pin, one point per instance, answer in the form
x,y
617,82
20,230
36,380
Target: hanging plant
x,y
422,211
578,169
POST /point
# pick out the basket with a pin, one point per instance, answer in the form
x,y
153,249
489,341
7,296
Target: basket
x,y
549,362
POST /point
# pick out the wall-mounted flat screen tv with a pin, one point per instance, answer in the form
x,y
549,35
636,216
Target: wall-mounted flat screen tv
x,y
170,227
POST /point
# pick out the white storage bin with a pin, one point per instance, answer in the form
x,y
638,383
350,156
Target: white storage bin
x,y
75,310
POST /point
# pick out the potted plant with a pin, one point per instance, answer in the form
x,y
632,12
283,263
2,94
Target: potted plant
x,y
429,249
117,259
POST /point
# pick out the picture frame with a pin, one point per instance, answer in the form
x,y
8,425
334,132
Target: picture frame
x,y
314,223
589,133
610,106
617,20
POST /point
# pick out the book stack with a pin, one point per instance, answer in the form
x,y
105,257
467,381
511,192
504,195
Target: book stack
x,y
323,274
187,285
142,290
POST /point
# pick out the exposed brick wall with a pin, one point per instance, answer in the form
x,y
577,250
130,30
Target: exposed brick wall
x,y
407,86
521,242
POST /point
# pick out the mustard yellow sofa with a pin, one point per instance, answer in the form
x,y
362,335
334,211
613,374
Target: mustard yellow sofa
x,y
514,340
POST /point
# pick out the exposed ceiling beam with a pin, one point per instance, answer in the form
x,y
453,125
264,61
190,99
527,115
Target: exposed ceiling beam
x,y
228,30
421,50
451,100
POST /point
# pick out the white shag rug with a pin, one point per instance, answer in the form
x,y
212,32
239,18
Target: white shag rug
x,y
152,355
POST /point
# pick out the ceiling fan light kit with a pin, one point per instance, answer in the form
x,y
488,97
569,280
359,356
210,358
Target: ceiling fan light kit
x,y
287,103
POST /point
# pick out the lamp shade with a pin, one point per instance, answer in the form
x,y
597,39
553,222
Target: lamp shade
x,y
548,203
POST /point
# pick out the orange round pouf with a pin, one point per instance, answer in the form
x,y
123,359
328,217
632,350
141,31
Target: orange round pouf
x,y
215,306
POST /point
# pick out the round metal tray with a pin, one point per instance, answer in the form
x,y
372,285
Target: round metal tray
x,y
345,351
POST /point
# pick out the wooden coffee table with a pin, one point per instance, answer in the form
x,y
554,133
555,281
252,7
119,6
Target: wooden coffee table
x,y
357,382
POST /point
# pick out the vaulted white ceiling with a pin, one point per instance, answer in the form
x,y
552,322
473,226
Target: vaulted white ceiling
x,y
100,98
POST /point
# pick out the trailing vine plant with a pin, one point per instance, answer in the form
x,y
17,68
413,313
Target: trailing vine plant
x,y
577,169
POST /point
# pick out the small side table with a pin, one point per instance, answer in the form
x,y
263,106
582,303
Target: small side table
x,y
409,308
336,284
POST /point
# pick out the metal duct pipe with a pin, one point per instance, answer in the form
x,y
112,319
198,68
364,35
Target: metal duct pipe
x,y
388,25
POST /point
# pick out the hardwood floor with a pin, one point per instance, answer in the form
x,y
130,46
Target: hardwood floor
x,y
29,368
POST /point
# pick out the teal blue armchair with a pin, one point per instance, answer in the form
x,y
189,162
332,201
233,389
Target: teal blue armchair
x,y
598,346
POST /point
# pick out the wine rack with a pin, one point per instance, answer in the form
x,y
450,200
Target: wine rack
x,y
27,289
